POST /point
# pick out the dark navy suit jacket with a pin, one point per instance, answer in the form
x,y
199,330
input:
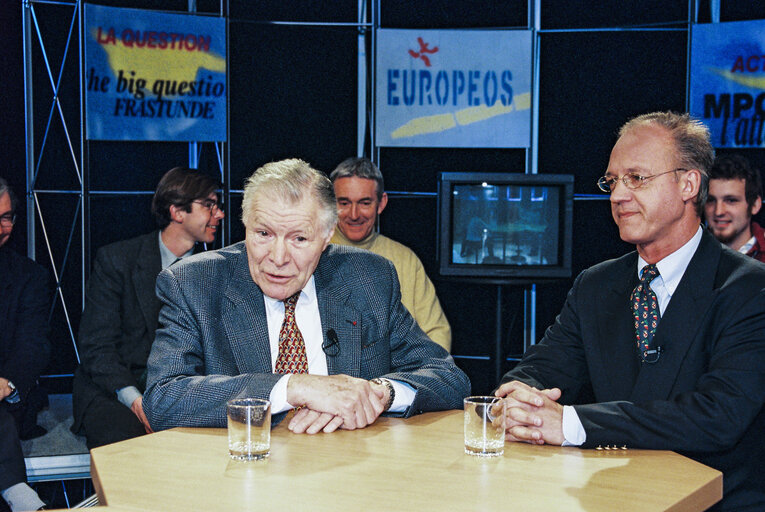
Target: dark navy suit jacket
x,y
24,303
703,398
24,349
119,321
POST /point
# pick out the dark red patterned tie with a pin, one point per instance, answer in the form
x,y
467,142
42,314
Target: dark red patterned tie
x,y
292,357
645,311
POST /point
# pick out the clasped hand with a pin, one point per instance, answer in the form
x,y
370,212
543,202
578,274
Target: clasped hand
x,y
335,401
532,415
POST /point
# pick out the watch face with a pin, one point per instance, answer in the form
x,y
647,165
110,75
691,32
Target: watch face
x,y
10,385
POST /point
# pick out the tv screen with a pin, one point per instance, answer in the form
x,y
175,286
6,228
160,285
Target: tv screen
x,y
505,226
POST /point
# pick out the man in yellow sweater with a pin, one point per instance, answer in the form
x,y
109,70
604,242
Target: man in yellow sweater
x,y
360,199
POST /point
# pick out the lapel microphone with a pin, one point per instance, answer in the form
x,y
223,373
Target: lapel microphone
x,y
331,345
652,356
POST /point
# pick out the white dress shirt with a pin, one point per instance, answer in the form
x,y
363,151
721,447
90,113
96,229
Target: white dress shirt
x,y
671,270
309,322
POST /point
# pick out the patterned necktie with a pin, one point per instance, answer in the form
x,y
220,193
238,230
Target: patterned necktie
x,y
292,357
645,311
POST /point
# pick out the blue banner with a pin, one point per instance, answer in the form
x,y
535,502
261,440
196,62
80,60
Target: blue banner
x,y
453,88
154,76
728,81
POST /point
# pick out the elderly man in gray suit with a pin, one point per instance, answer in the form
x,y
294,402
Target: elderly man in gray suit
x,y
288,317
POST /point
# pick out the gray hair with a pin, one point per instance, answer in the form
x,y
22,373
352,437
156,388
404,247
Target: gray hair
x,y
5,188
290,180
692,142
361,168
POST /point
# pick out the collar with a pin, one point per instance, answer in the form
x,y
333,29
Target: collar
x,y
368,242
307,296
759,235
168,258
744,249
672,267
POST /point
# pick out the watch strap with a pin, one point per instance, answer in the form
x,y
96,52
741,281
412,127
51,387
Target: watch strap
x,y
391,391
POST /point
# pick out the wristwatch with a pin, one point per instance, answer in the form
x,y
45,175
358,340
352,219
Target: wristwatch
x,y
14,396
391,390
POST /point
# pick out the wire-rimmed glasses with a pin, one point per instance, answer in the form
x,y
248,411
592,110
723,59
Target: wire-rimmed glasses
x,y
631,180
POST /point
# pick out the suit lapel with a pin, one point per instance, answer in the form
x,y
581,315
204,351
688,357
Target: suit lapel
x,y
148,267
338,314
616,333
683,316
245,319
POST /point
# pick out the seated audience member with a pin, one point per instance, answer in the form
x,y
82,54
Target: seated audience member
x,y
24,351
121,307
670,339
288,317
360,199
735,195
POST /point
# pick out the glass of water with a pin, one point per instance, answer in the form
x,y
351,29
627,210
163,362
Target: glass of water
x,y
484,426
249,428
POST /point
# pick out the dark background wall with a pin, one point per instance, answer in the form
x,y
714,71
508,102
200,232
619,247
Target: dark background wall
x,y
293,94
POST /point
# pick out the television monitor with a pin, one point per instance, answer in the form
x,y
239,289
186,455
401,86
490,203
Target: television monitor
x,y
508,227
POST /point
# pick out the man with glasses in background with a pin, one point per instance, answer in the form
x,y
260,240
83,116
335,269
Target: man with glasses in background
x,y
122,309
24,351
663,348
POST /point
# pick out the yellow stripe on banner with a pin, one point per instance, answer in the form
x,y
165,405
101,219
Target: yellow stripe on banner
x,y
756,82
522,101
476,114
152,64
422,125
443,122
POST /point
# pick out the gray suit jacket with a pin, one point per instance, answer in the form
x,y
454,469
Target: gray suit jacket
x,y
213,342
119,321
704,396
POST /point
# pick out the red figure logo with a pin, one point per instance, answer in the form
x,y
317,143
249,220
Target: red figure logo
x,y
423,50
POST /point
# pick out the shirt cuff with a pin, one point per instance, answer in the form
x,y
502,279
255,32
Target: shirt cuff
x,y
278,395
573,431
128,395
404,396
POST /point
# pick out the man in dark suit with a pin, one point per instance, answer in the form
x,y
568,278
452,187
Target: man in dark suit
x,y
287,317
670,339
24,351
121,307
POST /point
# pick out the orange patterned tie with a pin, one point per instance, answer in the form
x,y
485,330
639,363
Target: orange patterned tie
x,y
292,357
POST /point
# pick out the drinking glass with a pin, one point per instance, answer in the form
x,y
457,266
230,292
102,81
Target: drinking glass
x,y
249,428
484,426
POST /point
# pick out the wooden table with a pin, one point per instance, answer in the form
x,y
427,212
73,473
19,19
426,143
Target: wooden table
x,y
395,464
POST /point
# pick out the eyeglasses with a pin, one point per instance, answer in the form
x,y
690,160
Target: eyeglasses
x,y
8,219
209,204
631,180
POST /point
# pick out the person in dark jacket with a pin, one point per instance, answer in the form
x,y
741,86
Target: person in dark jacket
x,y
121,307
24,351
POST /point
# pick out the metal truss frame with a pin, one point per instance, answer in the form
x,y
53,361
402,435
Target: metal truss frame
x,y
31,27
39,219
